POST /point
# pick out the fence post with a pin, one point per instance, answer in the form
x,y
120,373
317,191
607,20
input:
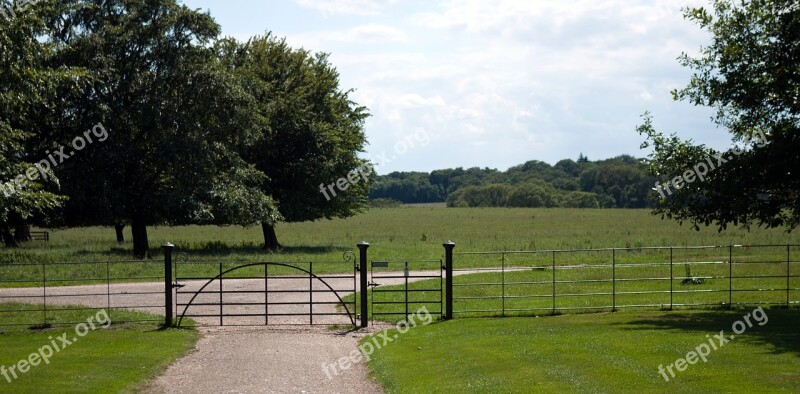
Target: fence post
x,y
788,269
613,280
168,283
554,282
730,276
364,285
671,279
448,284
503,284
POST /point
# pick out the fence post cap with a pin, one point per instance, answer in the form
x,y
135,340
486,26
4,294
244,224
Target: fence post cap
x,y
363,243
449,243
167,246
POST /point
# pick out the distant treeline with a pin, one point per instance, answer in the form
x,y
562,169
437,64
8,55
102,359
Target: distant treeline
x,y
619,182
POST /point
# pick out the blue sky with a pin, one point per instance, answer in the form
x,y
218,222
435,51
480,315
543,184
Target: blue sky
x,y
495,83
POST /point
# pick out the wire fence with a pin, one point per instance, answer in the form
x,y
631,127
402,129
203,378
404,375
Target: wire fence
x,y
535,282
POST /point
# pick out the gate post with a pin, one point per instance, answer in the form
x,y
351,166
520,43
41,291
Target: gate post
x,y
364,286
448,284
168,283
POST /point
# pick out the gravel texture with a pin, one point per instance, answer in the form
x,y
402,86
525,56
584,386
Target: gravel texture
x,y
273,360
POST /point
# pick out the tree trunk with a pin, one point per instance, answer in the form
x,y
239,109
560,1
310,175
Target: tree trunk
x,y
22,232
270,239
120,236
8,238
141,248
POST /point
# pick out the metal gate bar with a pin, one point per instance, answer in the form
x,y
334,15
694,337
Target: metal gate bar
x,y
227,307
406,273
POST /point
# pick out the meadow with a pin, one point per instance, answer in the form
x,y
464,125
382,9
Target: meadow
x,y
408,232
395,234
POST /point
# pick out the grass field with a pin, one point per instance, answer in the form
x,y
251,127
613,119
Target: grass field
x,y
403,233
397,234
593,353
121,358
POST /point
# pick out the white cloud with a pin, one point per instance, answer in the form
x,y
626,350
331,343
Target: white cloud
x,y
347,7
415,100
366,34
496,83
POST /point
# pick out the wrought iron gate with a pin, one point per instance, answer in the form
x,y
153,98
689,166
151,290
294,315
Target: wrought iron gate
x,y
267,293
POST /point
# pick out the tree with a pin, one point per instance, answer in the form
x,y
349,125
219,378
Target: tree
x,y
580,200
533,195
491,195
28,87
750,74
311,136
176,118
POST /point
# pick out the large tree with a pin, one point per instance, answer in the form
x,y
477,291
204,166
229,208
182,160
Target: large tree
x,y
312,135
29,85
750,74
176,119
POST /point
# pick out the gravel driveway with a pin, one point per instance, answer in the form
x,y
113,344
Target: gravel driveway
x,y
273,360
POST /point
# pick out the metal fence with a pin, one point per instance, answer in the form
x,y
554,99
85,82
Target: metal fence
x,y
534,282
406,295
58,293
499,283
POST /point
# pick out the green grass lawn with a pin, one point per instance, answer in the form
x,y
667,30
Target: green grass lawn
x,y
121,358
593,353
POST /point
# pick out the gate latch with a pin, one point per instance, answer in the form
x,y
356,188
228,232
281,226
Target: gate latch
x,y
176,285
373,284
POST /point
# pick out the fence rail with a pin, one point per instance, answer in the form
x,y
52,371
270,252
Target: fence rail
x,y
405,298
527,282
56,291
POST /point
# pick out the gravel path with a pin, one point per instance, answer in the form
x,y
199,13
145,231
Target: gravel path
x,y
275,360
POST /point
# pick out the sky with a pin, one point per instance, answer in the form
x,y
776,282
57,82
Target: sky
x,y
495,83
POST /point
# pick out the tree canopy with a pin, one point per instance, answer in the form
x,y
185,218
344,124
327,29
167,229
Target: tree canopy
x,y
311,135
28,84
175,118
619,182
750,75
193,128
